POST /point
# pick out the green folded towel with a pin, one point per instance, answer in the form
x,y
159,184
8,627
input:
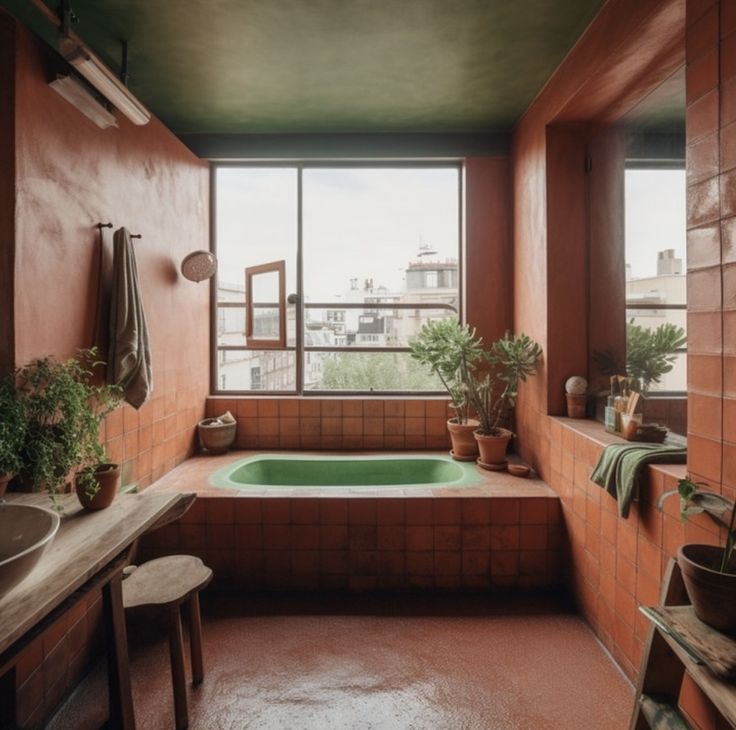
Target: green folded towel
x,y
620,467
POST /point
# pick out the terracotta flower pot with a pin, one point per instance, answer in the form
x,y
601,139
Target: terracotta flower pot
x,y
107,477
463,441
493,447
4,481
712,593
576,404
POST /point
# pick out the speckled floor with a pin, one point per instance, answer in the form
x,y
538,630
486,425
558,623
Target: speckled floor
x,y
409,663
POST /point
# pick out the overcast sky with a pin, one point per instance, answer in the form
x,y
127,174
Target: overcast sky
x,y
655,218
358,223
369,222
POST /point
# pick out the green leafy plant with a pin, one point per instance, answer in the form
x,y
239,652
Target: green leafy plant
x,y
484,381
12,427
63,408
450,350
650,354
694,501
511,360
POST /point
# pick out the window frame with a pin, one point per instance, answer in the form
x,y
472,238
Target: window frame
x,y
299,347
658,163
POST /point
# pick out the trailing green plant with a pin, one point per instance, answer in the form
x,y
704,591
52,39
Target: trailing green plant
x,y
694,501
63,408
12,427
450,350
650,354
493,393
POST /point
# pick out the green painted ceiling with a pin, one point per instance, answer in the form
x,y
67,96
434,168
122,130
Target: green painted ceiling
x,y
247,66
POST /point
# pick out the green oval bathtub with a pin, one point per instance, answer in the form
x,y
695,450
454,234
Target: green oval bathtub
x,y
292,470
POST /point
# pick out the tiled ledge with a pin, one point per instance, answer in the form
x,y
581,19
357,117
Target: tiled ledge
x,y
596,433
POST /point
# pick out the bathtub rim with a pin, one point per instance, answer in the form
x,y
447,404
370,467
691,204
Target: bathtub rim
x,y
221,478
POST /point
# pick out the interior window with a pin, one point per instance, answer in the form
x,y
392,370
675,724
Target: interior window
x,y
327,271
639,181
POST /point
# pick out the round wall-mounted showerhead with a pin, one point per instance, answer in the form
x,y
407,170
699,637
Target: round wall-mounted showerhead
x,y
199,265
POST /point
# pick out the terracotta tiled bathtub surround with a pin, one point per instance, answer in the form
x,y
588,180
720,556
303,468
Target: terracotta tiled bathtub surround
x,y
337,423
429,663
502,534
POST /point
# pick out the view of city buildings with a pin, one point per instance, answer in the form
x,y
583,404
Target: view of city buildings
x,y
643,295
354,320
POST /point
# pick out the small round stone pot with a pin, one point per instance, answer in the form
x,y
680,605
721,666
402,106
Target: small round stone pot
x,y
712,593
493,447
107,477
463,441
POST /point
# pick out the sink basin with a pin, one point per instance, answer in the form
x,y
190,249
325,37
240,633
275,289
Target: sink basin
x,y
25,532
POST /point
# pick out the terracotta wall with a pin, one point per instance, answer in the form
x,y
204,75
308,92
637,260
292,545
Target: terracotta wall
x,y
616,564
59,176
71,175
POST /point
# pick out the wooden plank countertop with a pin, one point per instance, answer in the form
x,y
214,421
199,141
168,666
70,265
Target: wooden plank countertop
x,y
85,543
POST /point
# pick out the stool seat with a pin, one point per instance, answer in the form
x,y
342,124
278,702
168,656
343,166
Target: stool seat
x,y
166,581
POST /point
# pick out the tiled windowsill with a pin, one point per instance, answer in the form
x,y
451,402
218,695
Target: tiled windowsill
x,y
597,434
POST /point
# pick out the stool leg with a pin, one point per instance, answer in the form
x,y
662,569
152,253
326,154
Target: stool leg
x,y
178,678
195,636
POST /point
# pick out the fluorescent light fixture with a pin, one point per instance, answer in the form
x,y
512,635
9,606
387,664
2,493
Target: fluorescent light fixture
x,y
78,96
104,80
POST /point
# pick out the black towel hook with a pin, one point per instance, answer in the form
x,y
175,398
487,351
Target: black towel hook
x,y
136,235
103,225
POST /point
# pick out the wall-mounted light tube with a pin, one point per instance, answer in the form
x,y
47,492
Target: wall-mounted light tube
x,y
78,96
104,80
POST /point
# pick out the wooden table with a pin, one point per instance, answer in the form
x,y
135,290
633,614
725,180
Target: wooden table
x,y
89,551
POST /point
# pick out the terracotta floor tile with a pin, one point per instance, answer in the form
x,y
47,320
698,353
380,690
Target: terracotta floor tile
x,y
444,662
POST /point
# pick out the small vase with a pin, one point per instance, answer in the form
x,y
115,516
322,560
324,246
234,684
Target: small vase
x,y
107,477
493,447
576,403
464,446
712,593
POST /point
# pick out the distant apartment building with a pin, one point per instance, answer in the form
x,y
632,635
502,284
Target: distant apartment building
x,y
667,288
362,325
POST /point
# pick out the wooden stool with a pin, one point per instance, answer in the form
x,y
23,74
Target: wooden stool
x,y
168,582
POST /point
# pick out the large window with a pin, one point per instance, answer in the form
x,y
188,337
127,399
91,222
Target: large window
x,y
326,272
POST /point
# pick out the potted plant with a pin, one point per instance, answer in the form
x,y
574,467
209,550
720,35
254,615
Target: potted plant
x,y
650,354
12,431
511,360
63,410
450,350
708,571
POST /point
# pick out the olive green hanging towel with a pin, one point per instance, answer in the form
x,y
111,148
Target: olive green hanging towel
x,y
620,468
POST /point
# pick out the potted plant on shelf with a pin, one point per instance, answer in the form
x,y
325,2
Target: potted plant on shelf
x,y
708,571
450,350
63,410
511,360
12,431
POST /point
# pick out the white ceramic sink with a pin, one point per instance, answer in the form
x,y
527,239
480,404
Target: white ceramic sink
x,y
25,532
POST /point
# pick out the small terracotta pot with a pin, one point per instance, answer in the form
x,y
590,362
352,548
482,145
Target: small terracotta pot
x,y
712,593
576,403
493,447
4,481
463,441
107,477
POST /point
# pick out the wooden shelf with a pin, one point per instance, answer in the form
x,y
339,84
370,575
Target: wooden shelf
x,y
667,657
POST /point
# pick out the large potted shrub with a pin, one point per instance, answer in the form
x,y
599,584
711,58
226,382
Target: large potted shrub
x,y
708,571
12,431
493,392
64,407
450,351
